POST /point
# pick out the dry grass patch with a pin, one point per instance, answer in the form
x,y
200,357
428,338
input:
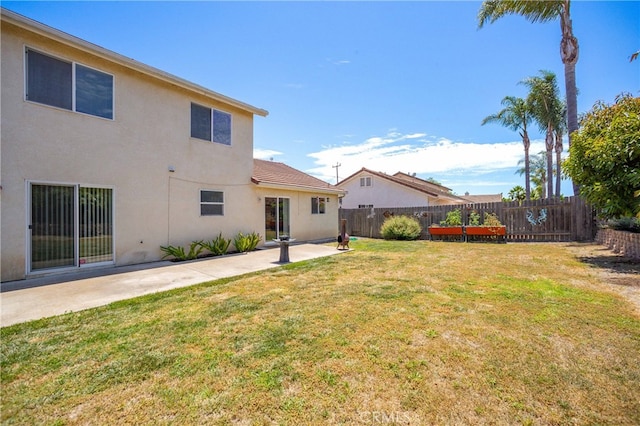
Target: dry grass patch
x,y
405,332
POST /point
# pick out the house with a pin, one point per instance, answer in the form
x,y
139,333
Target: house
x,y
295,203
105,159
367,188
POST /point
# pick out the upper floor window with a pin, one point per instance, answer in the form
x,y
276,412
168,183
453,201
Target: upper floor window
x,y
210,124
319,205
365,181
68,85
211,203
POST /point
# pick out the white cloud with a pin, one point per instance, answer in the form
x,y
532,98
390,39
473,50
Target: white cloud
x,y
265,154
338,61
415,153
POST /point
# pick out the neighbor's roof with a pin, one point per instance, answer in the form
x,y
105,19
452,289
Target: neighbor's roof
x,y
273,174
77,43
486,198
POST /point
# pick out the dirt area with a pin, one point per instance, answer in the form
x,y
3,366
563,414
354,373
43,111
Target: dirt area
x,y
619,273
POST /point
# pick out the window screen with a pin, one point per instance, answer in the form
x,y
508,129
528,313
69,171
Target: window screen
x,y
49,80
200,122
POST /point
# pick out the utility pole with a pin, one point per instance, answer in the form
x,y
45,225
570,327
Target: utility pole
x,y
336,167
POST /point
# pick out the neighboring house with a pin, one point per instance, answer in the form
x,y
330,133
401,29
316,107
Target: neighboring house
x,y
295,204
105,159
367,189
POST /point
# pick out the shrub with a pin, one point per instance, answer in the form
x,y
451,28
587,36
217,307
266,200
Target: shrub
x,y
474,218
245,243
454,218
401,228
218,246
179,253
490,219
630,224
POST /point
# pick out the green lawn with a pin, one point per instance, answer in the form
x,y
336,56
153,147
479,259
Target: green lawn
x,y
406,332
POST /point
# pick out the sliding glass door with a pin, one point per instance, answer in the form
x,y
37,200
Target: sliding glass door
x,y
276,218
52,226
70,225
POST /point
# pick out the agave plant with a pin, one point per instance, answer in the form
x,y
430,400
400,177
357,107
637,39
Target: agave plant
x,y
248,242
218,246
179,253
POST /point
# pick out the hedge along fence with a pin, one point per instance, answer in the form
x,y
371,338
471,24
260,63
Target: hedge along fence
x,y
568,219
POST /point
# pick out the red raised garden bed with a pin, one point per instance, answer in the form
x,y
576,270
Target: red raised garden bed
x,y
448,233
486,230
445,230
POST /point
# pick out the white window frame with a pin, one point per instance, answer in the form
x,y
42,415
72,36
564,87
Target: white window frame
x,y
76,227
317,205
212,112
74,64
211,203
366,181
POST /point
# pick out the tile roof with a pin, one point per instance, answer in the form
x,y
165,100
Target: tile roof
x,y
273,173
484,198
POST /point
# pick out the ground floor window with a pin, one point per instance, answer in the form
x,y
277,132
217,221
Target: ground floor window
x,y
70,225
211,203
276,218
318,205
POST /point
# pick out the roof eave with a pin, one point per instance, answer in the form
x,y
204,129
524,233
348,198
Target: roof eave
x,y
276,185
93,49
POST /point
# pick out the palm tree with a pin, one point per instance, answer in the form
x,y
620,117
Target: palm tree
x,y
516,115
544,11
546,108
538,175
560,126
517,193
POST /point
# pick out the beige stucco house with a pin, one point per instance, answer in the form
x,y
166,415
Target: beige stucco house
x,y
105,159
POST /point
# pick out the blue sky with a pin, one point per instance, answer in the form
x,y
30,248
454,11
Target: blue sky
x,y
391,86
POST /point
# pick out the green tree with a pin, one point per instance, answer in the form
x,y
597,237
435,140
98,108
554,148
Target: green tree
x,y
604,157
545,11
516,115
546,108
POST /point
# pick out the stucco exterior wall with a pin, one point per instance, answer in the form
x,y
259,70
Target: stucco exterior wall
x,y
131,154
304,225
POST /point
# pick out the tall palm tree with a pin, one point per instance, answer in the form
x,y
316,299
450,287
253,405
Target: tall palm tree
x,y
544,11
546,108
560,128
516,115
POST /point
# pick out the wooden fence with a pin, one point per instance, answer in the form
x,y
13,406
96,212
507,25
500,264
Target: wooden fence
x,y
568,219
